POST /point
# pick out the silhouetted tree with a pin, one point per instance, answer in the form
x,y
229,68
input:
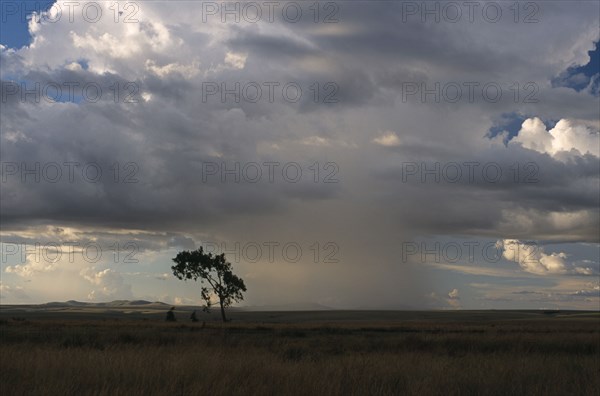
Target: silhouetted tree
x,y
213,269
171,315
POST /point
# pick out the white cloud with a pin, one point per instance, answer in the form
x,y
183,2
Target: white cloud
x,y
188,71
388,139
471,269
560,141
186,301
533,259
39,262
236,61
453,299
108,284
315,141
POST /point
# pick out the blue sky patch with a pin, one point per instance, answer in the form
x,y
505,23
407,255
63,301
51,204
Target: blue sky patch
x,y
14,15
579,77
510,122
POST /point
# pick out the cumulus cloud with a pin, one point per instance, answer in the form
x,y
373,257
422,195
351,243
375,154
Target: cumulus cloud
x,y
108,284
566,138
450,301
40,259
236,61
453,299
533,259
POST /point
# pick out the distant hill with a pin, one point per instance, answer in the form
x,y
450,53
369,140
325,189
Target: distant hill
x,y
305,306
302,306
115,303
140,302
120,303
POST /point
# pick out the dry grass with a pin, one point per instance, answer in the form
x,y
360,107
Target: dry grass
x,y
542,357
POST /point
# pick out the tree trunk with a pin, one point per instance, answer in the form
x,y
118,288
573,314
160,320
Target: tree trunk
x,y
222,310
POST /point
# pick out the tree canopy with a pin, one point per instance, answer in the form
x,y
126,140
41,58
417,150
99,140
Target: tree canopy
x,y
216,271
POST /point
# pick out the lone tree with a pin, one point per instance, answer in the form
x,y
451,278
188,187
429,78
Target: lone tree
x,y
213,269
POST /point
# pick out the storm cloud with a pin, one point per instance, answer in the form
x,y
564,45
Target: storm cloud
x,y
200,135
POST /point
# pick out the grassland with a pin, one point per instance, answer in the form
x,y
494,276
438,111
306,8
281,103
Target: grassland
x,y
301,353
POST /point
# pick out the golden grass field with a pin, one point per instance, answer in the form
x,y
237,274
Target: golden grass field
x,y
354,353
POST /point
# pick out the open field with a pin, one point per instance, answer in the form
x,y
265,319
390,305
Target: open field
x,y
127,351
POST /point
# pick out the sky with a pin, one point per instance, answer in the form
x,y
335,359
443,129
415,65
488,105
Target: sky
x,y
352,154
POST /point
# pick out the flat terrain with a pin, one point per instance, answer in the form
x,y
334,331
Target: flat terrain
x,y
129,349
